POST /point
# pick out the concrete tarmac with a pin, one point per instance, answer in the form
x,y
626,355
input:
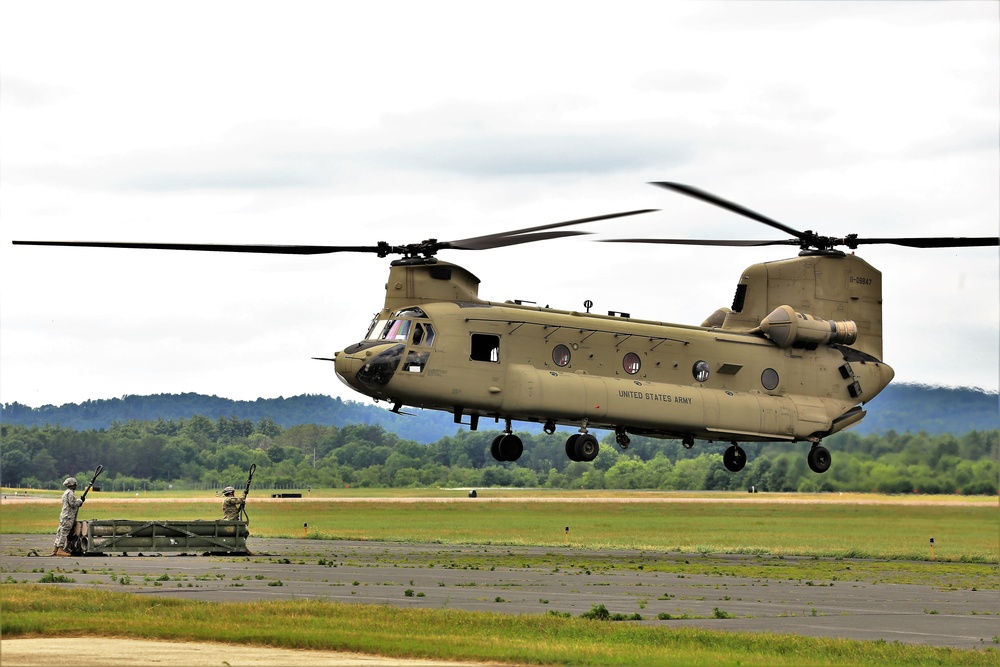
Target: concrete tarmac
x,y
667,589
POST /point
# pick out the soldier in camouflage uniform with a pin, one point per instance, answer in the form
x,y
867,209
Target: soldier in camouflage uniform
x,y
232,505
67,517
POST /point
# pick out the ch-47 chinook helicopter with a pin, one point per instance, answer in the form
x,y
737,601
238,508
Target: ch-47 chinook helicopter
x,y
794,358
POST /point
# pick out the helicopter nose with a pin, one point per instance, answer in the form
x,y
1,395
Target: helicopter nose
x,y
368,367
347,366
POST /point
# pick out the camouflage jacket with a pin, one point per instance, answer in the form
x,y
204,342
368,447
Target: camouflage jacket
x,y
231,508
70,505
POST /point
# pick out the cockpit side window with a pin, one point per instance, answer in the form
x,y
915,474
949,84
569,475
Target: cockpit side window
x,y
423,334
416,361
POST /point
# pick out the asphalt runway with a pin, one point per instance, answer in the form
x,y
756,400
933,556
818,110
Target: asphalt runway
x,y
537,580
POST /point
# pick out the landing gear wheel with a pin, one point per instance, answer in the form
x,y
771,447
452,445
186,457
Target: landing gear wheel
x,y
587,447
734,458
495,448
621,437
510,447
819,458
571,446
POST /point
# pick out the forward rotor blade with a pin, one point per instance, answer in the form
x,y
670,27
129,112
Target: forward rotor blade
x,y
504,241
712,242
527,234
515,237
931,242
729,206
211,247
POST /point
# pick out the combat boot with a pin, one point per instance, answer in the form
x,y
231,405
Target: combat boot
x,y
62,552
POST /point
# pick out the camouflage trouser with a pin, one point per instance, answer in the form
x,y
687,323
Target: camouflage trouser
x,y
65,528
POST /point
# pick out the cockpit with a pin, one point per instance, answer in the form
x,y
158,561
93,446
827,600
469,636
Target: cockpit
x,y
410,335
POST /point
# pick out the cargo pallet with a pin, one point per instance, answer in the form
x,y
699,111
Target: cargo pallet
x,y
97,537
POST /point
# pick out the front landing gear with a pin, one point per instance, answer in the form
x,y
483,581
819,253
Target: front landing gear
x,y
507,446
819,458
734,458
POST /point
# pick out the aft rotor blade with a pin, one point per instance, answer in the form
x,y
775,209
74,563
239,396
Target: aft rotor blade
x,y
729,206
529,234
212,247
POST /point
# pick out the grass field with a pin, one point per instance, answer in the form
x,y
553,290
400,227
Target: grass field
x,y
825,526
891,532
438,633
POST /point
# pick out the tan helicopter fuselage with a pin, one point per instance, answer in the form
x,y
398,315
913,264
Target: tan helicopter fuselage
x,y
792,360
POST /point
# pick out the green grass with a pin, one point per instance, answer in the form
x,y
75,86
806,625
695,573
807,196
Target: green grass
x,y
782,540
31,610
824,528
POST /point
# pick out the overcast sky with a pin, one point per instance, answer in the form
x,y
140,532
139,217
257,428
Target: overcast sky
x,y
353,123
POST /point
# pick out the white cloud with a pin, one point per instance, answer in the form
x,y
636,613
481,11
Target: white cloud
x,y
329,123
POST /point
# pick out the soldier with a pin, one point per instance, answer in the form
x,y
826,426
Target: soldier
x,y
232,505
67,517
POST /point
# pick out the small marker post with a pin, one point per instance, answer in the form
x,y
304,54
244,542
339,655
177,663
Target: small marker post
x,y
305,530
567,535
932,548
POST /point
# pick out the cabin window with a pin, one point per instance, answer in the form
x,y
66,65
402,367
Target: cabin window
x,y
769,378
560,355
700,371
632,363
416,361
485,347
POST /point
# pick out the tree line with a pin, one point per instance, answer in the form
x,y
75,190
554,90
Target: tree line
x,y
202,453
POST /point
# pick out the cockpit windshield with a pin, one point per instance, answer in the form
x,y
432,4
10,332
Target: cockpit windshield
x,y
400,327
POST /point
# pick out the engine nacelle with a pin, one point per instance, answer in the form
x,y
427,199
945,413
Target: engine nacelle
x,y
786,327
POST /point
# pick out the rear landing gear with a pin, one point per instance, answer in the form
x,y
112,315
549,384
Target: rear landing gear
x,y
621,437
734,458
819,458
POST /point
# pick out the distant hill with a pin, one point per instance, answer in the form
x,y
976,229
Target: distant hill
x,y
900,407
422,426
914,407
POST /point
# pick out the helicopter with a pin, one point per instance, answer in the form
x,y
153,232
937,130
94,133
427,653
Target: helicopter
x,y
794,358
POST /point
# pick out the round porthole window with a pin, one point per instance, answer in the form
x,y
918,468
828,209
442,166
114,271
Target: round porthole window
x,y
632,363
700,371
560,355
769,378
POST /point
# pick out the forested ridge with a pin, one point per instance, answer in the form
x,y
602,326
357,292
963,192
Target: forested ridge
x,y
204,453
915,438
903,408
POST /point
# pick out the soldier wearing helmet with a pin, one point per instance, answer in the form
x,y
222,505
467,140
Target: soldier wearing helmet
x,y
67,517
232,505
